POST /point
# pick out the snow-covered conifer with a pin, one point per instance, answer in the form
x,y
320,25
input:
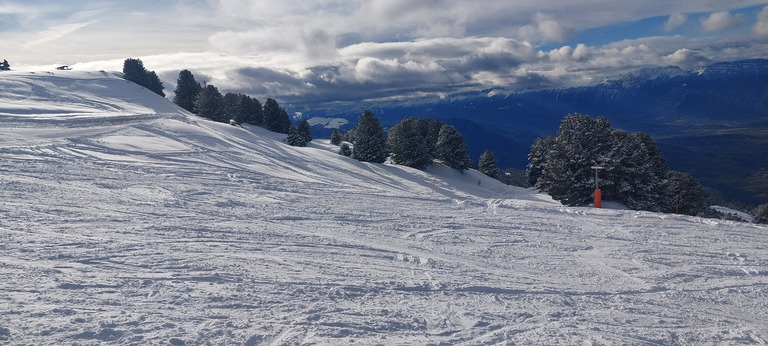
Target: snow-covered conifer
x,y
761,213
430,128
335,137
687,192
345,150
637,172
452,149
409,144
488,165
369,139
581,142
537,163
294,138
303,130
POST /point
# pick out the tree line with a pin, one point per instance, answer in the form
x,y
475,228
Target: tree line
x,y
207,101
635,174
412,142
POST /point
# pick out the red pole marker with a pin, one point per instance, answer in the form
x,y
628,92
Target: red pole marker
x,y
598,199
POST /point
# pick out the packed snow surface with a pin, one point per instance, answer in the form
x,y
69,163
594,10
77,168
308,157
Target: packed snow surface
x,y
125,220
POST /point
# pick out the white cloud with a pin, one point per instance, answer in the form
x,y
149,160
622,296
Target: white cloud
x,y
324,50
12,8
761,27
582,52
544,28
685,57
55,33
719,21
675,20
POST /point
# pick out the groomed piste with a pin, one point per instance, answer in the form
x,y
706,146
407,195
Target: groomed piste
x,y
126,220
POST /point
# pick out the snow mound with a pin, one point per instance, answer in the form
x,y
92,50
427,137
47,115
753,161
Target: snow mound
x,y
76,94
126,220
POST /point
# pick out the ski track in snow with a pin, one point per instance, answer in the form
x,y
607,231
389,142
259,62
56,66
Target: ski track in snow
x,y
158,228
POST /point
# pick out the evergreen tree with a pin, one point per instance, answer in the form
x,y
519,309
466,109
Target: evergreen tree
x,y
240,108
275,118
335,137
408,144
452,149
271,113
514,177
688,192
581,142
655,158
210,104
254,113
635,171
349,136
186,91
154,84
244,109
232,107
294,138
369,139
345,150
303,131
430,129
284,121
537,163
488,165
761,214
637,174
134,71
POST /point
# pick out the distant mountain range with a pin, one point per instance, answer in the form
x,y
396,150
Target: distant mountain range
x,y
710,121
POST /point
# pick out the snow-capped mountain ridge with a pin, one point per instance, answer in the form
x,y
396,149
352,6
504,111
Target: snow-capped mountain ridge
x,y
160,227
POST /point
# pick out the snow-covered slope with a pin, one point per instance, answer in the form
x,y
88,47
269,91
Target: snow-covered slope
x,y
124,219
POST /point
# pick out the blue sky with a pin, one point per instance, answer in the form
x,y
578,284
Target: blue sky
x,y
323,51
738,22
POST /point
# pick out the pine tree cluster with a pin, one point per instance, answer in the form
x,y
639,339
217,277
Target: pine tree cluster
x,y
206,101
299,136
635,173
412,142
417,142
134,71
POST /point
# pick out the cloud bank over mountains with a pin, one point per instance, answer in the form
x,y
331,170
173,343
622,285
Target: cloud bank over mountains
x,y
309,52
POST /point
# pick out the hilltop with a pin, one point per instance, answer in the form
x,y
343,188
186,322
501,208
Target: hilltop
x,y
126,219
